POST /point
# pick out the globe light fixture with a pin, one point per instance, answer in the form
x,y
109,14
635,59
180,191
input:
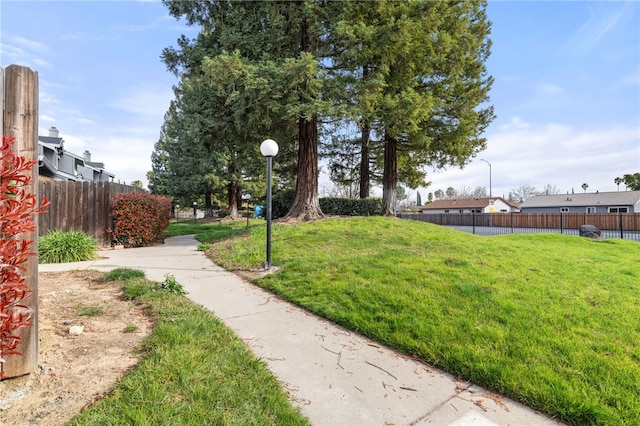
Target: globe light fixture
x,y
269,148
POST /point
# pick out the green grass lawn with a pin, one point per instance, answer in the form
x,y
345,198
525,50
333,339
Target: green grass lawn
x,y
551,320
194,370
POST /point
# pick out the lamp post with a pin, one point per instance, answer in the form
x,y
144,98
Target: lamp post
x,y
246,198
177,213
269,149
195,208
490,194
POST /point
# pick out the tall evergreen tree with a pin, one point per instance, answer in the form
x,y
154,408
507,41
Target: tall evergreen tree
x,y
410,74
185,166
425,84
284,35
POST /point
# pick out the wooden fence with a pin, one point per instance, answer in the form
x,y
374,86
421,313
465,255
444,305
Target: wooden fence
x,y
80,206
560,221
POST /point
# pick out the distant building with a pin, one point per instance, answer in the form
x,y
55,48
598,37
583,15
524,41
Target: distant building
x,y
595,202
54,162
470,205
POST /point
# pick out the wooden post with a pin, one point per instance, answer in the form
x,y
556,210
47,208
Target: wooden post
x,y
21,121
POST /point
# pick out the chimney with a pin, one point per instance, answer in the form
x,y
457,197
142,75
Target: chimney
x,y
53,132
87,156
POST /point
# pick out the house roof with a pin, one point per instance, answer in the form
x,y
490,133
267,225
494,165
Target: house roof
x,y
44,162
94,164
461,203
592,199
50,140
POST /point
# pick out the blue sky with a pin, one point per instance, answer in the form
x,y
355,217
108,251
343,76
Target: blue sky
x,y
566,91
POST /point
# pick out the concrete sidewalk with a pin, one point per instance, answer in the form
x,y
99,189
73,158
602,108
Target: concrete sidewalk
x,y
335,376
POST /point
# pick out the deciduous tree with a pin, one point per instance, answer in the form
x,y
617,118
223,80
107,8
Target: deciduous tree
x,y
632,181
286,36
522,193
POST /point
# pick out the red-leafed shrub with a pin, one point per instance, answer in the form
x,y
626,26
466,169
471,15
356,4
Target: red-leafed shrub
x,y
139,219
16,217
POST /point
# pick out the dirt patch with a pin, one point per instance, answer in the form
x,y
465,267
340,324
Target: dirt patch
x,y
75,370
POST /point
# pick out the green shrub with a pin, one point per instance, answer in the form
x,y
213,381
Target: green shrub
x,y
62,247
281,203
172,286
351,207
283,200
139,219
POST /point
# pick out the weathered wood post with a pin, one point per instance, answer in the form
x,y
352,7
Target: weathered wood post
x,y
20,119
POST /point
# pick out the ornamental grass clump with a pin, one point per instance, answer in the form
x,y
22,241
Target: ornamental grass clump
x,y
62,247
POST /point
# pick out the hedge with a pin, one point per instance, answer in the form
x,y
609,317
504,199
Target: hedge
x,y
283,200
139,219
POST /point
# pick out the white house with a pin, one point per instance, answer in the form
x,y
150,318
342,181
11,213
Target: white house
x,y
469,205
592,202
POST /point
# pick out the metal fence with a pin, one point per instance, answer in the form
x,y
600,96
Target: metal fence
x,y
612,225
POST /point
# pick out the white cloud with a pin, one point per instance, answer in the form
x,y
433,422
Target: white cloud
x,y
145,101
27,44
129,158
515,123
47,119
536,155
40,63
13,54
600,22
550,89
631,79
85,121
77,35
154,23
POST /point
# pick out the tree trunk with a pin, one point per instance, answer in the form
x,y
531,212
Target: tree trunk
x,y
306,205
239,197
365,182
233,200
208,208
390,176
365,185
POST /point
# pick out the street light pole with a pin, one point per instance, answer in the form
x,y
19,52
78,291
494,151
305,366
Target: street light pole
x,y
490,194
246,198
269,149
195,211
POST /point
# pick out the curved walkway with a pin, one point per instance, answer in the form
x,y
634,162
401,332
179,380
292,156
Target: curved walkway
x,y
335,376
